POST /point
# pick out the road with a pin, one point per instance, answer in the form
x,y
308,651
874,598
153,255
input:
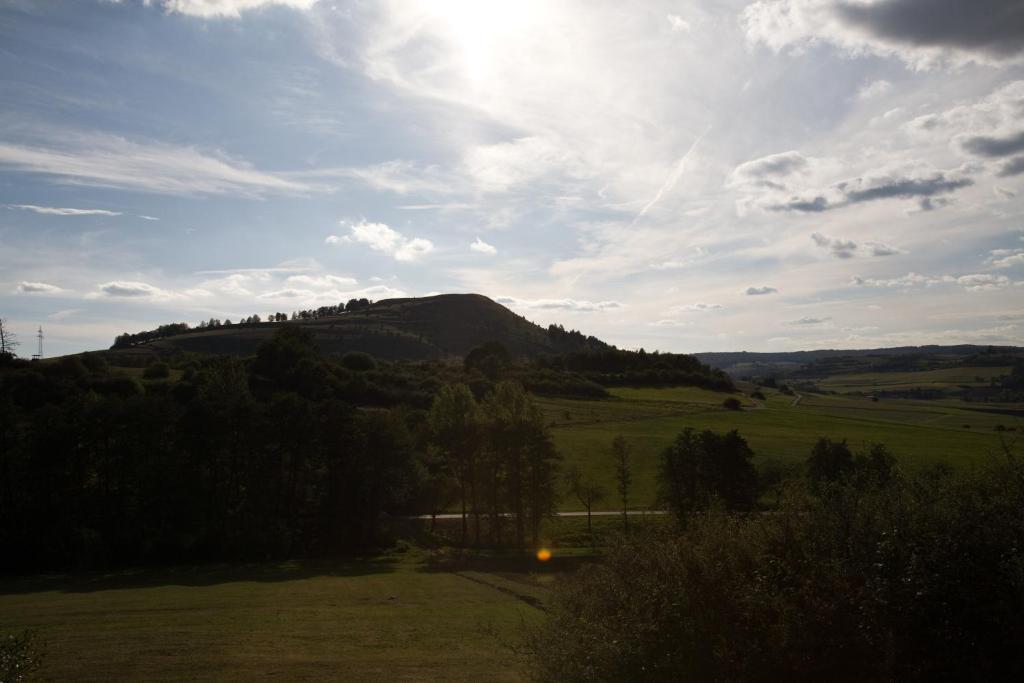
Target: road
x,y
575,513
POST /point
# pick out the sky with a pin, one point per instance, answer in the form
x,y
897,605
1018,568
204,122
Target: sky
x,y
686,176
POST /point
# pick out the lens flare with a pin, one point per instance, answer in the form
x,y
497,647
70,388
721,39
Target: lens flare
x,y
543,554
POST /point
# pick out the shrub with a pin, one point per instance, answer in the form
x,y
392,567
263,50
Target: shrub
x,y
358,361
907,580
19,657
157,370
732,403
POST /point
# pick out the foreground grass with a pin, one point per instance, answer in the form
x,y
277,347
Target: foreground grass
x,y
391,618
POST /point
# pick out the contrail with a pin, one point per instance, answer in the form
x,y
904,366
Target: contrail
x,y
672,179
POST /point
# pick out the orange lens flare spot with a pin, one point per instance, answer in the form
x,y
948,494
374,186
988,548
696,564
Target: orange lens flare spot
x,y
543,554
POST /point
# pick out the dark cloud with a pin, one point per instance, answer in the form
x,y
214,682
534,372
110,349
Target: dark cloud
x,y
1012,167
983,146
995,27
816,205
908,188
843,249
760,291
923,189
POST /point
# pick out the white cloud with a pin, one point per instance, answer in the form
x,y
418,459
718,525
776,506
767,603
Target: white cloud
x,y
321,281
38,288
874,89
1006,258
102,160
380,237
983,282
483,247
760,291
695,308
55,211
558,304
216,9
677,24
132,290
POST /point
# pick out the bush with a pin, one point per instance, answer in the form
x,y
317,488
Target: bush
x,y
732,403
907,580
358,361
157,370
19,657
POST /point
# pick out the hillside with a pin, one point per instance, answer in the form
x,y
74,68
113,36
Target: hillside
x,y
425,328
825,362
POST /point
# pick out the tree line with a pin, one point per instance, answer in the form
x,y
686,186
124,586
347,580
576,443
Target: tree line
x,y
248,459
127,339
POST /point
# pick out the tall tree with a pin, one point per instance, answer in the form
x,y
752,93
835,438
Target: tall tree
x,y
8,342
454,424
701,467
585,490
520,445
623,474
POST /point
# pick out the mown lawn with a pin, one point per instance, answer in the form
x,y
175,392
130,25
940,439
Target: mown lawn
x,y
380,619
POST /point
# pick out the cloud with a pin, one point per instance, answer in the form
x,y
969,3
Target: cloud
x,y
980,282
482,247
809,321
220,9
54,211
908,280
842,249
765,169
760,291
695,308
677,24
38,288
1012,167
874,89
922,33
559,304
670,323
101,160
380,237
132,290
882,249
1005,258
321,281
986,146
975,282
876,187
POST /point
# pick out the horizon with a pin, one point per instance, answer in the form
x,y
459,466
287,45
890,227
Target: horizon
x,y
770,175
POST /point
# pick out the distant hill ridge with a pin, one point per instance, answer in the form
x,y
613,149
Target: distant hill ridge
x,y
422,328
836,361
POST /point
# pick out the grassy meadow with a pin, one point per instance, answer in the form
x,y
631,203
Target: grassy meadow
x,y
780,429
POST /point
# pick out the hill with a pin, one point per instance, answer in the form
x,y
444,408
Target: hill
x,y
424,328
826,362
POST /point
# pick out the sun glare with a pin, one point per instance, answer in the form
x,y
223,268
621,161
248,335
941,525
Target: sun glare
x,y
483,31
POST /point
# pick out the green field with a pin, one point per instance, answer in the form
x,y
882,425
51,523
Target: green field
x,y
944,378
780,428
380,619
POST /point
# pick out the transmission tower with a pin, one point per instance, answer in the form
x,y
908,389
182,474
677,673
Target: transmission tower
x,y
39,336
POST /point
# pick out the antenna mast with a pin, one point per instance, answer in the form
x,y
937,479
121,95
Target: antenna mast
x,y
39,335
